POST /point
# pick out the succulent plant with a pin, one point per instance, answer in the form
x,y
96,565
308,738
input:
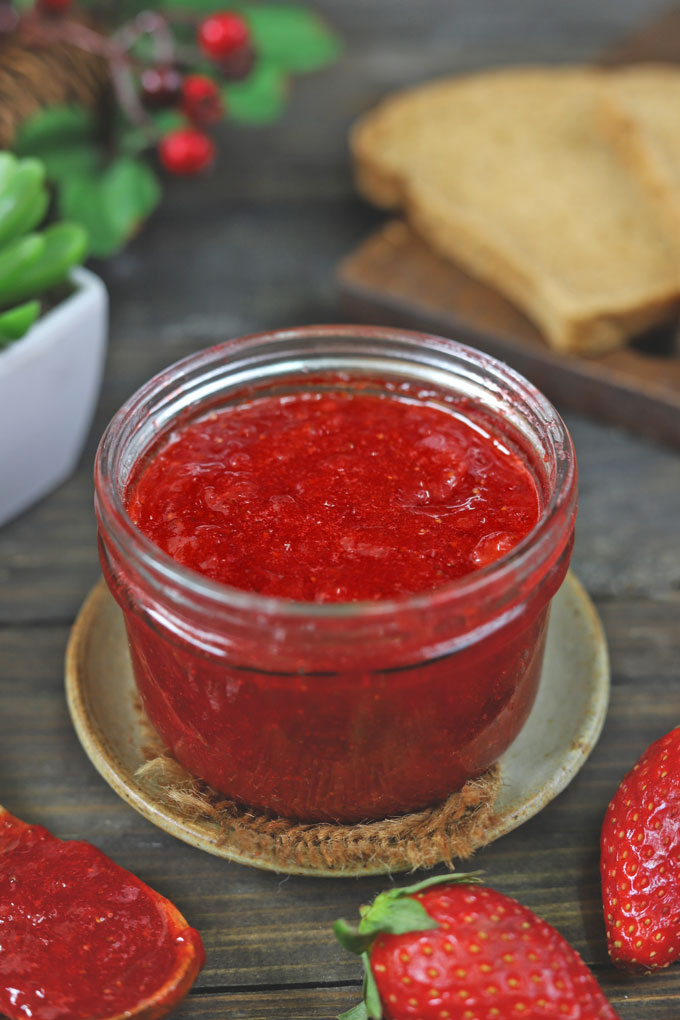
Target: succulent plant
x,y
31,262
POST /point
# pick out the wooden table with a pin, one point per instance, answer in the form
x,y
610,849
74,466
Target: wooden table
x,y
254,246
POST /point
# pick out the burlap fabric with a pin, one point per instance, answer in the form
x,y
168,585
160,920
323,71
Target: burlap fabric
x,y
451,830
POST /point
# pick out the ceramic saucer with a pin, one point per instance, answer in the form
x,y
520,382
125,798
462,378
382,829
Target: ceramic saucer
x,y
560,733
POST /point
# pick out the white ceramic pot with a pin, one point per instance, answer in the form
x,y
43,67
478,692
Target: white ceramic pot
x,y
49,384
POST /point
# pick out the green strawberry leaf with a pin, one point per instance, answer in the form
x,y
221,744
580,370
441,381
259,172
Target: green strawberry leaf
x,y
258,99
112,204
396,917
394,912
64,138
351,939
291,37
473,877
370,990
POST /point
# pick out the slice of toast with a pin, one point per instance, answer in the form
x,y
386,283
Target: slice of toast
x,y
509,174
641,116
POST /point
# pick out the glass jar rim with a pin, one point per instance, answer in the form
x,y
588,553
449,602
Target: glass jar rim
x,y
159,568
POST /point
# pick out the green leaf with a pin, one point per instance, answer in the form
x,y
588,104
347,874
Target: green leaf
x,y
472,877
395,912
63,137
111,205
396,917
16,258
168,120
64,245
258,99
17,321
358,1012
8,165
351,938
133,192
370,990
23,200
292,37
135,139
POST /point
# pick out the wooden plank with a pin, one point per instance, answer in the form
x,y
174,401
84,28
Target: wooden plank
x,y
655,39
653,999
395,278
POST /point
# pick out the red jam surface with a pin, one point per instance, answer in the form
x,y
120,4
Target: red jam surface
x,y
328,497
334,497
80,938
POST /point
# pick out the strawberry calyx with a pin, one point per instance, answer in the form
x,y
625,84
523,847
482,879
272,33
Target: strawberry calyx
x,y
394,912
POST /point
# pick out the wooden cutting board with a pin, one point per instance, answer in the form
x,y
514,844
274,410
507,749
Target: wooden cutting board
x,y
393,278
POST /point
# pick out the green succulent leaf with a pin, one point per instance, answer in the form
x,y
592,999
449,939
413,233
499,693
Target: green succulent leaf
x,y
8,165
63,137
16,258
292,37
23,200
112,204
17,321
258,99
64,245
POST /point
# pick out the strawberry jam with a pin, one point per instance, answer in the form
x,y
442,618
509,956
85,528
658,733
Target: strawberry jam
x,y
336,584
82,939
335,497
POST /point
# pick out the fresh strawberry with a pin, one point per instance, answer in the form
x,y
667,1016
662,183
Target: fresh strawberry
x,y
449,949
640,861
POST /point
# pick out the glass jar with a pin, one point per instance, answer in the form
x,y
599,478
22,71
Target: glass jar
x,y
338,711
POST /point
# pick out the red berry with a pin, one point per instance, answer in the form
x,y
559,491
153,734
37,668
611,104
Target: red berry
x,y
201,101
186,151
54,6
640,861
468,951
222,34
161,87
